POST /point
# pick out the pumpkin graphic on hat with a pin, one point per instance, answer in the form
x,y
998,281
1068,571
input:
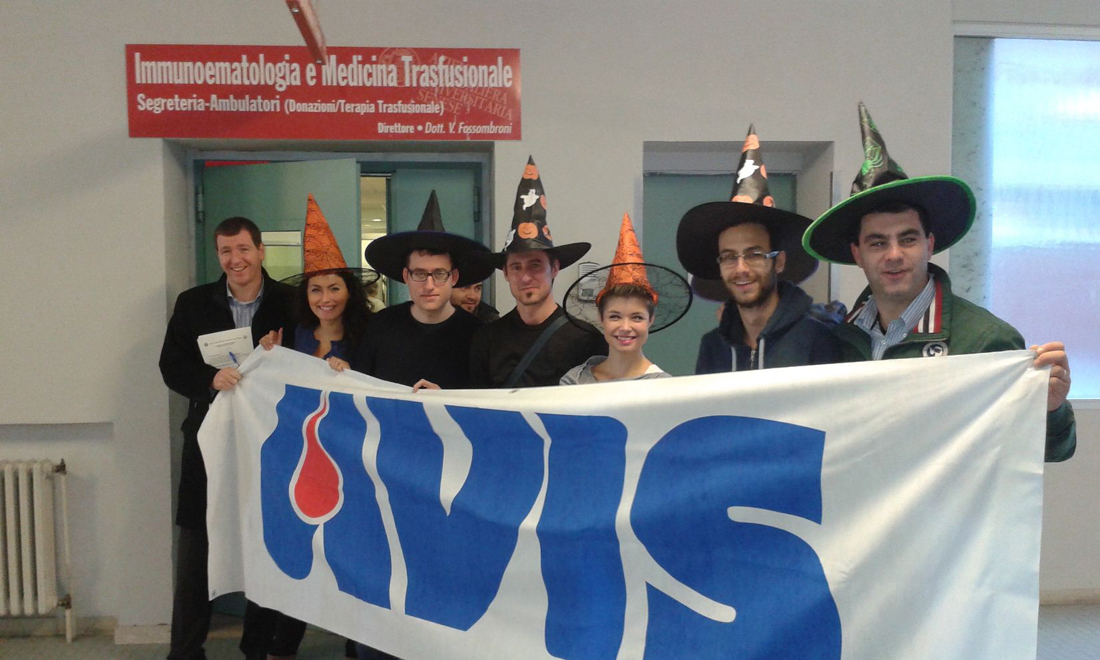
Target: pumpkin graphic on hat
x,y
529,231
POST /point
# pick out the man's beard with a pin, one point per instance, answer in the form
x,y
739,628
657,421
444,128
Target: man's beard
x,y
767,287
537,298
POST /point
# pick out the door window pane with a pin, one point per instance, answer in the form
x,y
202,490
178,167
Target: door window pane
x,y
282,253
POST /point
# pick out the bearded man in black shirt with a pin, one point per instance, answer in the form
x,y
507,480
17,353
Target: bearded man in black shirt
x,y
532,345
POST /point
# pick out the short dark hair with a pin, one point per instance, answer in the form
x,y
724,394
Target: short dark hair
x,y
430,253
551,257
767,229
627,291
892,206
235,225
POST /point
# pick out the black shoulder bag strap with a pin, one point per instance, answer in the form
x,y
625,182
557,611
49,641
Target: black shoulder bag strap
x,y
533,352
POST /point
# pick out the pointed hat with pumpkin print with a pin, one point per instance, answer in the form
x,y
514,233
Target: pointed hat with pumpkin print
x,y
390,253
529,229
947,201
750,202
321,254
629,267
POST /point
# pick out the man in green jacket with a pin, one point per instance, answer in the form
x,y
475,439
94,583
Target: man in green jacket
x,y
890,227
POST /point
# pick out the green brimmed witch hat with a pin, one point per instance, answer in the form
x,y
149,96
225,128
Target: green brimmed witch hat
x,y
321,253
389,253
948,201
750,202
529,229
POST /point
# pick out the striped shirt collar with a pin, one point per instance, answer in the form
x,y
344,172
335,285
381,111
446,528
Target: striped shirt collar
x,y
243,312
923,315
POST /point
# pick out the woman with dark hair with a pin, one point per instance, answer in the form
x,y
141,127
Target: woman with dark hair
x,y
626,311
332,313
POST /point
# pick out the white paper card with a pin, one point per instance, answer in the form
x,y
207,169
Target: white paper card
x,y
227,348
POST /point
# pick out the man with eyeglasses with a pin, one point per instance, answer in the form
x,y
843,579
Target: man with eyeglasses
x,y
755,250
533,345
890,227
426,341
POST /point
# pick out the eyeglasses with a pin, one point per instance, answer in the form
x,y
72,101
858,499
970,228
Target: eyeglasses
x,y
439,275
753,259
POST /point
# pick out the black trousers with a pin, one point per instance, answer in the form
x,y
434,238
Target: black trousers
x,y
190,603
365,652
265,630
268,631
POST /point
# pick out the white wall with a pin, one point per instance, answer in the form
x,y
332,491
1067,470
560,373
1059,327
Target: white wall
x,y
94,240
1027,14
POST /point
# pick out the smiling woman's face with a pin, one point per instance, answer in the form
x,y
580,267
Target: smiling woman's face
x,y
626,321
328,296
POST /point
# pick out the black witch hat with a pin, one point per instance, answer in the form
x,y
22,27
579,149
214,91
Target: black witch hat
x,y
712,290
750,202
948,201
389,253
529,229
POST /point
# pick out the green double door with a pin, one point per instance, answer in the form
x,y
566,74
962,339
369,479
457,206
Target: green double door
x,y
274,195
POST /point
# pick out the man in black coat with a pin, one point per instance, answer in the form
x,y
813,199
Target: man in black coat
x,y
244,296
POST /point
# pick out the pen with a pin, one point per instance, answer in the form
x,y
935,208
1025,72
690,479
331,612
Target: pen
x,y
234,358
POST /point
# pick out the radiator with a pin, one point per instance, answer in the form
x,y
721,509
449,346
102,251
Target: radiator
x,y
28,540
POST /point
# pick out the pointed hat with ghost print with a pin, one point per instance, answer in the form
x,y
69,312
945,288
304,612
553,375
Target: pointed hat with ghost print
x,y
529,229
947,201
321,254
389,253
750,202
668,290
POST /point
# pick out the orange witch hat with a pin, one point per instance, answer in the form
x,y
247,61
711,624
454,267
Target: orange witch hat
x,y
320,251
319,248
628,266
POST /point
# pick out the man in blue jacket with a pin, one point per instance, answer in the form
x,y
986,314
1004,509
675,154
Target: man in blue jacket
x,y
755,250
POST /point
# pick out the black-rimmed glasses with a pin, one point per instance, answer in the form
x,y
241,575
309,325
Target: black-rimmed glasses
x,y
439,275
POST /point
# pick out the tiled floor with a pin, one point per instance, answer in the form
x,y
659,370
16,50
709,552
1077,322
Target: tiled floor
x,y
1066,632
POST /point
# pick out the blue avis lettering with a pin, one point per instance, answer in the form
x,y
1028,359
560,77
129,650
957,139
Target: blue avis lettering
x,y
455,561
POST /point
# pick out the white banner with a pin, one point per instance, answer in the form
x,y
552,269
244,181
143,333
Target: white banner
x,y
862,511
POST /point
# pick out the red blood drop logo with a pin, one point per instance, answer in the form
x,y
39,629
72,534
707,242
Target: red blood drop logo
x,y
315,488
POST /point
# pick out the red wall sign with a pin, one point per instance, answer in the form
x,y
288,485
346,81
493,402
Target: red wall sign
x,y
279,92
